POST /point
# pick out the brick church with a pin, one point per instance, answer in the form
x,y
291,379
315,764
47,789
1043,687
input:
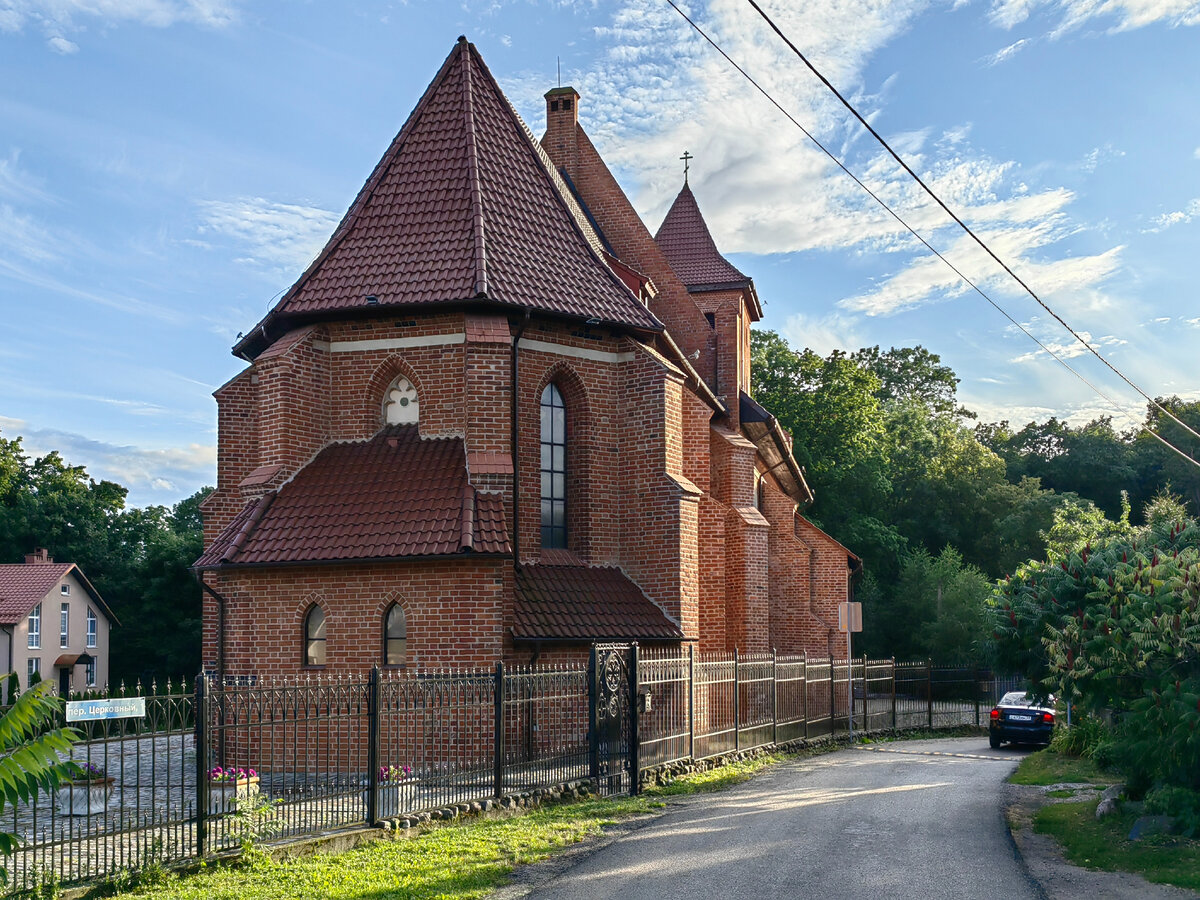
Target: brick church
x,y
496,418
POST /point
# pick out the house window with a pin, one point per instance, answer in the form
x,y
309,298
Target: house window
x,y
64,589
89,672
64,625
35,627
400,406
91,627
33,666
314,637
395,636
554,469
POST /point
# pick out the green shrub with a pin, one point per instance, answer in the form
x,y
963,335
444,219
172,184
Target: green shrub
x,y
1082,737
1181,804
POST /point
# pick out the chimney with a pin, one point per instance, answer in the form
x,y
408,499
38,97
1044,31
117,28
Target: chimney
x,y
562,121
39,557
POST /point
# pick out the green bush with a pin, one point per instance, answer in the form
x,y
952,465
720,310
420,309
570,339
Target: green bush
x,y
1181,804
1082,737
1115,626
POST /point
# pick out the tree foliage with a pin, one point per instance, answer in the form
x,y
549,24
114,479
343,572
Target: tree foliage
x,y
137,558
31,751
1114,625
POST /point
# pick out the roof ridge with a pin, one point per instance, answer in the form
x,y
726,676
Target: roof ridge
x,y
478,228
345,226
559,188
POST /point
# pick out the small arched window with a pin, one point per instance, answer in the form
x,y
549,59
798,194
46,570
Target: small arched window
x,y
395,636
400,405
314,637
554,469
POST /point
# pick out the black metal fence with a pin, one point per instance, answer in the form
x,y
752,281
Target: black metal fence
x,y
334,753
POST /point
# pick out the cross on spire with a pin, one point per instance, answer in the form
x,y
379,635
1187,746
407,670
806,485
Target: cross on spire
x,y
687,157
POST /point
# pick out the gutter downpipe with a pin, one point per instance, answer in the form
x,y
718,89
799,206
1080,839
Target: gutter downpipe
x,y
221,604
8,629
512,409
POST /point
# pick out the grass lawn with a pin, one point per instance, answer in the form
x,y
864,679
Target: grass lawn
x,y
1050,767
462,859
1104,844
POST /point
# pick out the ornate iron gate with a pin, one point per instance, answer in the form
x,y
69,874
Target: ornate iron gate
x,y
612,697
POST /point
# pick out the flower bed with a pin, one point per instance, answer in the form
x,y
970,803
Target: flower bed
x,y
227,784
87,794
391,780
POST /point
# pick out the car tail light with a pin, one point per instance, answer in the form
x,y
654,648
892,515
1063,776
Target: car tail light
x,y
1048,717
996,713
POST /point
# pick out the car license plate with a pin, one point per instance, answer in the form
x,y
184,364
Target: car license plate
x,y
1021,718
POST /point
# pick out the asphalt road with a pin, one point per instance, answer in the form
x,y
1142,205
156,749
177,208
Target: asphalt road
x,y
918,819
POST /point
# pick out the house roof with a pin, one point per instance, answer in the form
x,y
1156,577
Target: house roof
x,y
396,495
577,603
688,246
463,207
24,586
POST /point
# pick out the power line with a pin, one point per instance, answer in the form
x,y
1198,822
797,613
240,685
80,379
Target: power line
x,y
1060,360
988,250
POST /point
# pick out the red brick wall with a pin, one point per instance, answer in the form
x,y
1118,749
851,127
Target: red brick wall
x,y
568,147
455,612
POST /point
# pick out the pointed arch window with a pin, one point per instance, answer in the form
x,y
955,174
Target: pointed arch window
x,y
400,404
395,636
314,637
554,469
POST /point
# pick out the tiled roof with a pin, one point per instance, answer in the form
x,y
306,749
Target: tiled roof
x,y
23,586
684,239
583,603
395,495
463,206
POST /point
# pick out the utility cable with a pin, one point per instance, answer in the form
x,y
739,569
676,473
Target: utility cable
x,y
1059,359
965,227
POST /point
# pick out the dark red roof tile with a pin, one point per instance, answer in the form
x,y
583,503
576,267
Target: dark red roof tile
x,y
584,603
462,206
688,246
23,586
393,496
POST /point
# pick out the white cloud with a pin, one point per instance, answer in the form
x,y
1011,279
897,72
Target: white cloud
x,y
1195,323
822,334
1178,217
1128,14
162,475
22,238
280,237
19,185
1061,347
1006,53
1196,153
67,14
765,188
60,44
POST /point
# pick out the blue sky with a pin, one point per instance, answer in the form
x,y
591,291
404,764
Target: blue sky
x,y
168,167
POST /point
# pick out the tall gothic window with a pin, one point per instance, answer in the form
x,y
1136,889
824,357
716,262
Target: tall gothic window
x,y
554,469
395,636
400,405
314,637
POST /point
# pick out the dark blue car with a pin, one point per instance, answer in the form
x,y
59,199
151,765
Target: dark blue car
x,y
1017,719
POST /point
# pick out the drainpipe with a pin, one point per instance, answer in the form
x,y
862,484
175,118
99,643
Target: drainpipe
x,y
512,404
8,629
221,604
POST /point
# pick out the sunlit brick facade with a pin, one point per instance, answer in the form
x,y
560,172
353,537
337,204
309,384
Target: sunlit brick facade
x,y
476,269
